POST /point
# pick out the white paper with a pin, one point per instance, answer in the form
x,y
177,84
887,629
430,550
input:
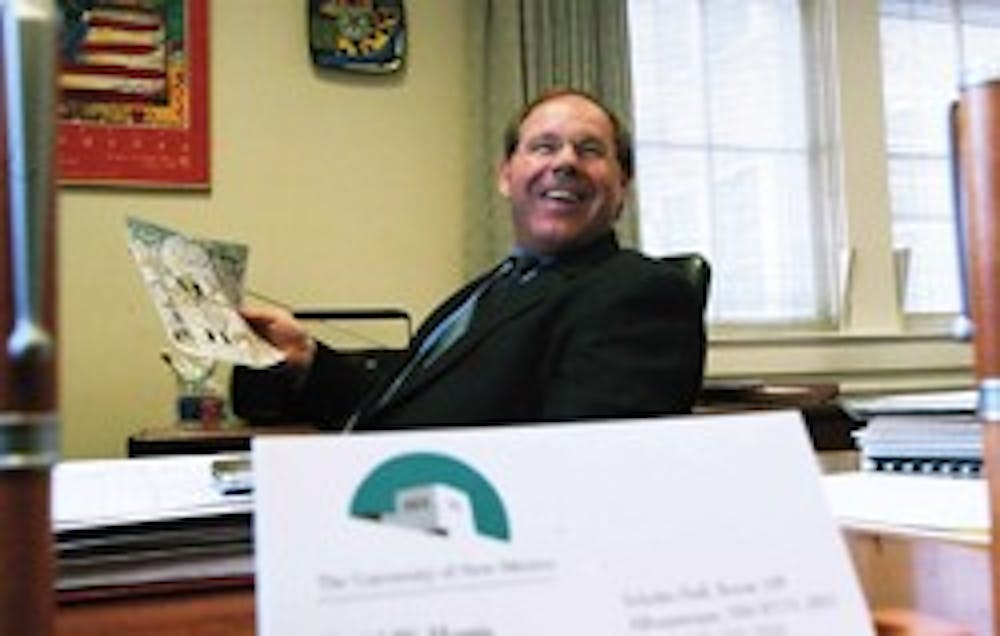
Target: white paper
x,y
196,286
704,526
108,492
913,403
910,502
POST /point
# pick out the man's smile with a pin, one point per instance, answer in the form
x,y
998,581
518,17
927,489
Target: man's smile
x,y
565,196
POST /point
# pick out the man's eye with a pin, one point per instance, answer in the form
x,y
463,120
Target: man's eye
x,y
544,147
591,150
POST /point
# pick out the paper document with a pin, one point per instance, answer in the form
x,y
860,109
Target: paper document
x,y
672,526
196,286
910,502
108,492
926,403
134,521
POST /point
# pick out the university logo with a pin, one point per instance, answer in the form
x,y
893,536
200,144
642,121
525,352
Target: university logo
x,y
431,493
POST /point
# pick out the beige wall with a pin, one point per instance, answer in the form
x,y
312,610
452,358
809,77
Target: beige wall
x,y
348,189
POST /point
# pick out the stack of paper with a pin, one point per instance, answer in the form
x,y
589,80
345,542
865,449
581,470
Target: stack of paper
x,y
132,521
941,444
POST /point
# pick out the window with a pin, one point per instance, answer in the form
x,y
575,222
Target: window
x,y
732,157
922,53
763,141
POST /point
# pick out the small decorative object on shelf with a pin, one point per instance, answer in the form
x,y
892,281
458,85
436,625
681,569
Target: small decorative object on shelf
x,y
357,35
199,399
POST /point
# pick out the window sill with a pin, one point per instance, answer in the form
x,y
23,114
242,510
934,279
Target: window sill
x,y
913,360
735,336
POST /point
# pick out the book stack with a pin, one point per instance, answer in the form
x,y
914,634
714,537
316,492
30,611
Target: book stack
x,y
136,521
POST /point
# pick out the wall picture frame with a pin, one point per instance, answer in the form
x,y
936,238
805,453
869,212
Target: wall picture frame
x,y
366,36
134,104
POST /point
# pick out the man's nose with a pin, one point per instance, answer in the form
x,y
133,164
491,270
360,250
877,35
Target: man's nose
x,y
566,160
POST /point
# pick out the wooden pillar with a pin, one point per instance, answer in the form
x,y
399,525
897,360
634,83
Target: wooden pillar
x,y
28,421
979,144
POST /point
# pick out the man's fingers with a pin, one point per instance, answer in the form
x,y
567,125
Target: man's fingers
x,y
260,316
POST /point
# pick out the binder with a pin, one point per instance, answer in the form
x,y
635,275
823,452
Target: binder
x,y
922,444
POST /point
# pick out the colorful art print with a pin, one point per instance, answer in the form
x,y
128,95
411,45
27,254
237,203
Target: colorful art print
x,y
133,82
357,35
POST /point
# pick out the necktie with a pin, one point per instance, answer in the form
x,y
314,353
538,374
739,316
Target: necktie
x,y
521,270
514,271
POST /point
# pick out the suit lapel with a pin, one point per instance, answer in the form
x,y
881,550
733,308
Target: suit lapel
x,y
528,298
524,300
367,406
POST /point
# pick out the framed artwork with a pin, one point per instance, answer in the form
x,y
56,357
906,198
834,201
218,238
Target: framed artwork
x,y
357,35
133,83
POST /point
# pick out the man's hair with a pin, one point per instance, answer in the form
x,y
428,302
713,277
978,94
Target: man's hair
x,y
622,136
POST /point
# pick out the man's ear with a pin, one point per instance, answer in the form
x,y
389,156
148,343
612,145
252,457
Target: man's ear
x,y
503,177
626,182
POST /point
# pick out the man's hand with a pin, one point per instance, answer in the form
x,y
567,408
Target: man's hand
x,y
282,330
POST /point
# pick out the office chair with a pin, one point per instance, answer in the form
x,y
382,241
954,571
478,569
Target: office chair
x,y
696,270
829,427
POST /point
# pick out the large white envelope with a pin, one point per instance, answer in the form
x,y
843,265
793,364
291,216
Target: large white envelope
x,y
707,526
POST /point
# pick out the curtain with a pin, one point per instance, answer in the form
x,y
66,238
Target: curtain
x,y
519,49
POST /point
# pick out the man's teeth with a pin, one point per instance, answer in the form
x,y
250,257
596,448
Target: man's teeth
x,y
563,195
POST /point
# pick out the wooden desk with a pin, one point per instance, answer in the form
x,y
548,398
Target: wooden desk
x,y
947,578
937,577
828,426
942,578
215,607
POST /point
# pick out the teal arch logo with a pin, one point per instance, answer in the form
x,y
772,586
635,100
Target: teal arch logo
x,y
380,494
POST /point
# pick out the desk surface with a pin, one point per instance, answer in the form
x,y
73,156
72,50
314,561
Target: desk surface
x,y
939,576
898,575
948,580
828,426
209,607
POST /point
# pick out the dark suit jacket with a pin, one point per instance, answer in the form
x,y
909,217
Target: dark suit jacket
x,y
603,332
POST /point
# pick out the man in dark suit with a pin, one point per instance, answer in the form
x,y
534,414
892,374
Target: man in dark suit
x,y
572,328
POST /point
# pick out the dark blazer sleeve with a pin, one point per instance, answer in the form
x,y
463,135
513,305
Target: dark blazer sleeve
x,y
326,395
635,347
336,385
333,388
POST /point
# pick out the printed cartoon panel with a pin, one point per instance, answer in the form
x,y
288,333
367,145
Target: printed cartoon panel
x,y
195,286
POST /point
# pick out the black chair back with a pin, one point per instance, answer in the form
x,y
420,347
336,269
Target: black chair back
x,y
696,270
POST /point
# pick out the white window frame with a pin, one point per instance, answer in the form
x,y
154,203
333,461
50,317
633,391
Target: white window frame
x,y
874,347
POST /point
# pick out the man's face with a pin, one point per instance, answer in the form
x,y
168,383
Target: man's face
x,y
564,181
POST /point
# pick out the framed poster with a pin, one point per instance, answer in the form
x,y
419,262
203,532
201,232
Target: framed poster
x,y
133,83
